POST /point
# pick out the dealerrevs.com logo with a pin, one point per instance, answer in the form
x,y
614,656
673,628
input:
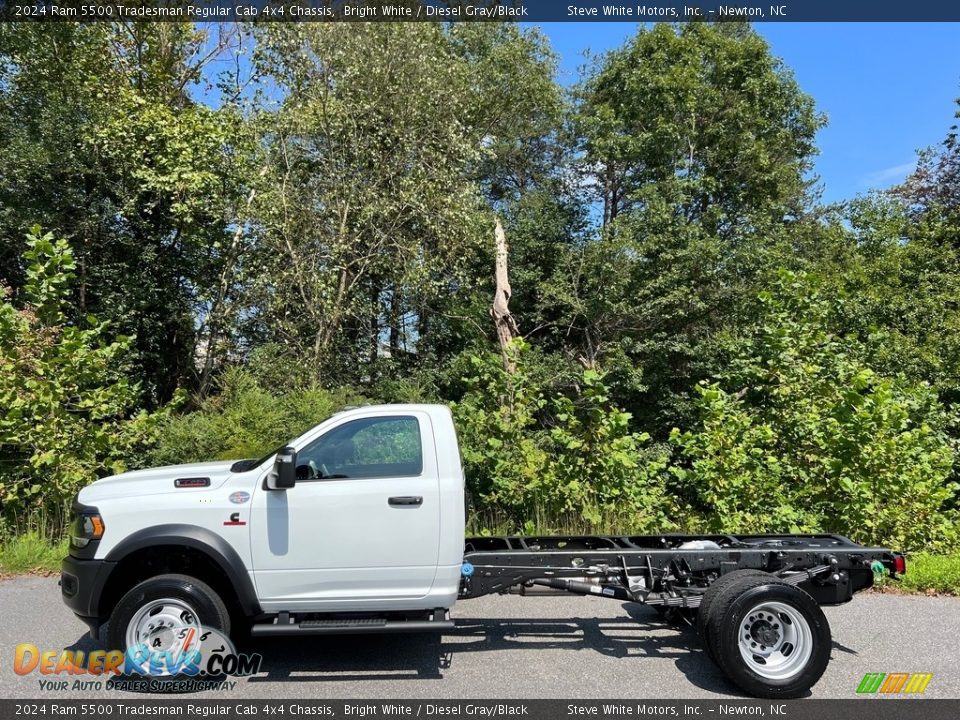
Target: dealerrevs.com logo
x,y
894,683
200,659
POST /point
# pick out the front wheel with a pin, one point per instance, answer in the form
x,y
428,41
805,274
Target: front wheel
x,y
160,613
771,639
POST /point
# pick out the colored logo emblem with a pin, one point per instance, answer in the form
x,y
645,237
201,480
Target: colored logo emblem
x,y
176,649
239,497
892,683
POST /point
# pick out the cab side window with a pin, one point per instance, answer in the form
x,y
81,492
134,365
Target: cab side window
x,y
375,447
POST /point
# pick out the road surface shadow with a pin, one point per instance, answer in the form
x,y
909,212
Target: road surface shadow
x,y
422,657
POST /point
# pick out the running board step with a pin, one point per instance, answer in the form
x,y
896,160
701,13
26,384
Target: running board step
x,y
359,626
360,622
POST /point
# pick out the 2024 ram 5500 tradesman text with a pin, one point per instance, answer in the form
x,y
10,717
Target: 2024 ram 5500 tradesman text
x,y
357,526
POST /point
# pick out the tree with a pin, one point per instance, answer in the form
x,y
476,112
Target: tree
x,y
697,142
934,187
68,402
541,449
518,115
366,203
105,146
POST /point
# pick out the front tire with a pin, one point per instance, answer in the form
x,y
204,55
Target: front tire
x,y
154,611
771,639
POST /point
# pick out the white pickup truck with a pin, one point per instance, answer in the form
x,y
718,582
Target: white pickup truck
x,y
357,526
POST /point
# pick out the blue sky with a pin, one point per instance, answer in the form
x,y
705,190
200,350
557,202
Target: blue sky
x,y
888,89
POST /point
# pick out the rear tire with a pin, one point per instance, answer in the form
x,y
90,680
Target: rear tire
x,y
770,638
710,597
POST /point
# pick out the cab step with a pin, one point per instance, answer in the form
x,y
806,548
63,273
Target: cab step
x,y
285,625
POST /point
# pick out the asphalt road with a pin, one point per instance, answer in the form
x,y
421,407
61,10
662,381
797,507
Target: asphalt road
x,y
522,648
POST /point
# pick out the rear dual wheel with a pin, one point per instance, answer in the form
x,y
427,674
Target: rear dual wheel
x,y
719,586
771,639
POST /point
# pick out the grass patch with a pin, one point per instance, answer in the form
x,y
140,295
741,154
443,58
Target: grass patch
x,y
31,552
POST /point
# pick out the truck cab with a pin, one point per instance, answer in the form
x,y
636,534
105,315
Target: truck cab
x,y
371,520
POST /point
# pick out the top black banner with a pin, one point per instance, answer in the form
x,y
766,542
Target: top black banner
x,y
535,11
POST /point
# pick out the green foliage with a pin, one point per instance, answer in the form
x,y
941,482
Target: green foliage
x,y
68,405
800,435
244,420
379,175
97,122
321,231
530,449
698,141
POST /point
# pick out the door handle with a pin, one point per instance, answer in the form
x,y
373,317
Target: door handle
x,y
414,500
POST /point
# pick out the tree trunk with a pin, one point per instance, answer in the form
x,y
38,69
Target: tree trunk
x,y
374,324
395,312
500,310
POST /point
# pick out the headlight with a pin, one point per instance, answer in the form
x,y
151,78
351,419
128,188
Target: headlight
x,y
84,528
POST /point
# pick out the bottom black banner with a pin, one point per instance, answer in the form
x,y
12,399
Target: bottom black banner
x,y
875,708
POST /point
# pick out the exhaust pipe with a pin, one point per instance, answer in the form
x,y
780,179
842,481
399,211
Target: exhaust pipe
x,y
580,587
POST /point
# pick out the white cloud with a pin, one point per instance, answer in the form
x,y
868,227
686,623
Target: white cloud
x,y
888,176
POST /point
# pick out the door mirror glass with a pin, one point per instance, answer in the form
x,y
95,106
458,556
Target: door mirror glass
x,y
284,473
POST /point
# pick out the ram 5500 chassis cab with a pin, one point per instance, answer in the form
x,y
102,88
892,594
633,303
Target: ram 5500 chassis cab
x,y
357,526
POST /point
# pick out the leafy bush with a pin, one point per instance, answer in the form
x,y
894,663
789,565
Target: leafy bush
x,y
802,436
937,573
67,403
533,451
245,420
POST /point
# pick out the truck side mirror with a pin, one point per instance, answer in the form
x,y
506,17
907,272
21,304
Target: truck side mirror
x,y
284,473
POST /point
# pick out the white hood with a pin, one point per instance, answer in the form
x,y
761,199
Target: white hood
x,y
152,481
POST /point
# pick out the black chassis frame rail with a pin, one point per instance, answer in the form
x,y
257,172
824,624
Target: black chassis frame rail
x,y
653,569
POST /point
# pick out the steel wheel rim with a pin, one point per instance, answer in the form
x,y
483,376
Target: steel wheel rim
x,y
775,640
162,620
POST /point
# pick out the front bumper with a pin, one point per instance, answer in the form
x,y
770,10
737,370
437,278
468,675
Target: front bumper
x,y
81,585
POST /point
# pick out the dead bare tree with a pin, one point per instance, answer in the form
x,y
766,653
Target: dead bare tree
x,y
500,310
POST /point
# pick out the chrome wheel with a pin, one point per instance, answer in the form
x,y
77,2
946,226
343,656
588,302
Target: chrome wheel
x,y
775,640
164,625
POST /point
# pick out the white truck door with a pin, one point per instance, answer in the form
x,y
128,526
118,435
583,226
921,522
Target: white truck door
x,y
361,528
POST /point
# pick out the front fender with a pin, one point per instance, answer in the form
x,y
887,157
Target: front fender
x,y
199,539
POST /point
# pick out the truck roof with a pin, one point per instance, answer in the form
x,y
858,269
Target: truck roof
x,y
396,407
